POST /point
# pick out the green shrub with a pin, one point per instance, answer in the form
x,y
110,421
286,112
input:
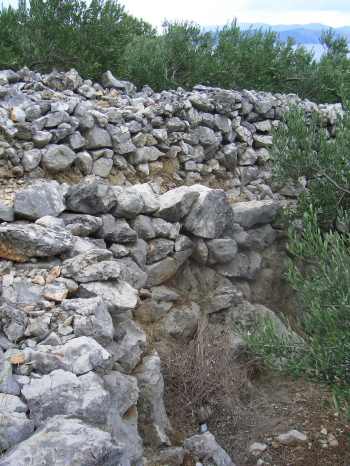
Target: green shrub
x,y
319,268
62,34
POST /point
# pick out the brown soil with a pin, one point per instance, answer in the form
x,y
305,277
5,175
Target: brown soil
x,y
275,405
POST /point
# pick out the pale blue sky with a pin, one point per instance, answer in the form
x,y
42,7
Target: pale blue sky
x,y
212,12
330,12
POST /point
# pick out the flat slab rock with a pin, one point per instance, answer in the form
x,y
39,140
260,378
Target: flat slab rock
x,y
79,355
248,214
65,441
21,242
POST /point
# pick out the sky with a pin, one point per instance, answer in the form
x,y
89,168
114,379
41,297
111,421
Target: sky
x,y
334,13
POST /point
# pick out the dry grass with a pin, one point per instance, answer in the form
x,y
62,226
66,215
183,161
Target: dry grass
x,y
203,379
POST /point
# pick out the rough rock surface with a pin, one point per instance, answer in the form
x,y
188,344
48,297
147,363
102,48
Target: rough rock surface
x,y
79,444
120,262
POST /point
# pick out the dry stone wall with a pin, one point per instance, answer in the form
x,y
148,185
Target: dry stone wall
x,y
135,246
59,123
85,270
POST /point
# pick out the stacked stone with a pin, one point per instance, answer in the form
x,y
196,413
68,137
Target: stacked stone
x,y
221,138
83,269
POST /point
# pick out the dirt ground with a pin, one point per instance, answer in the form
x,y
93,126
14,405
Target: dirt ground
x,y
271,405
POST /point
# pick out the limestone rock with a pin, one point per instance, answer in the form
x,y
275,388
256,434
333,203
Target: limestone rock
x,y
62,392
116,231
131,344
46,198
176,203
124,388
91,198
14,428
109,81
159,249
98,138
251,213
91,318
91,266
244,265
293,437
209,214
221,250
79,355
209,289
80,444
181,322
57,158
21,242
81,224
120,297
206,449
153,420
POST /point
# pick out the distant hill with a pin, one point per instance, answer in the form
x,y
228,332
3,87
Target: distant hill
x,y
308,35
301,33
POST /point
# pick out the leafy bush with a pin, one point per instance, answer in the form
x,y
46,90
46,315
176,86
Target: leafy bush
x,y
319,268
99,35
62,34
180,56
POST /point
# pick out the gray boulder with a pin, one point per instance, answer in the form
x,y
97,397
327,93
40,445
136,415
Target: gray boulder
x,y
12,404
79,355
144,228
164,229
91,318
31,159
207,450
8,383
57,158
62,392
138,251
21,242
14,428
221,250
81,224
46,198
209,214
208,288
124,390
149,197
131,273
248,214
79,444
244,265
102,167
145,154
181,322
176,203
91,266
6,213
153,420
116,230
161,271
109,81
159,249
13,320
129,204
131,344
98,138
91,198
120,297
